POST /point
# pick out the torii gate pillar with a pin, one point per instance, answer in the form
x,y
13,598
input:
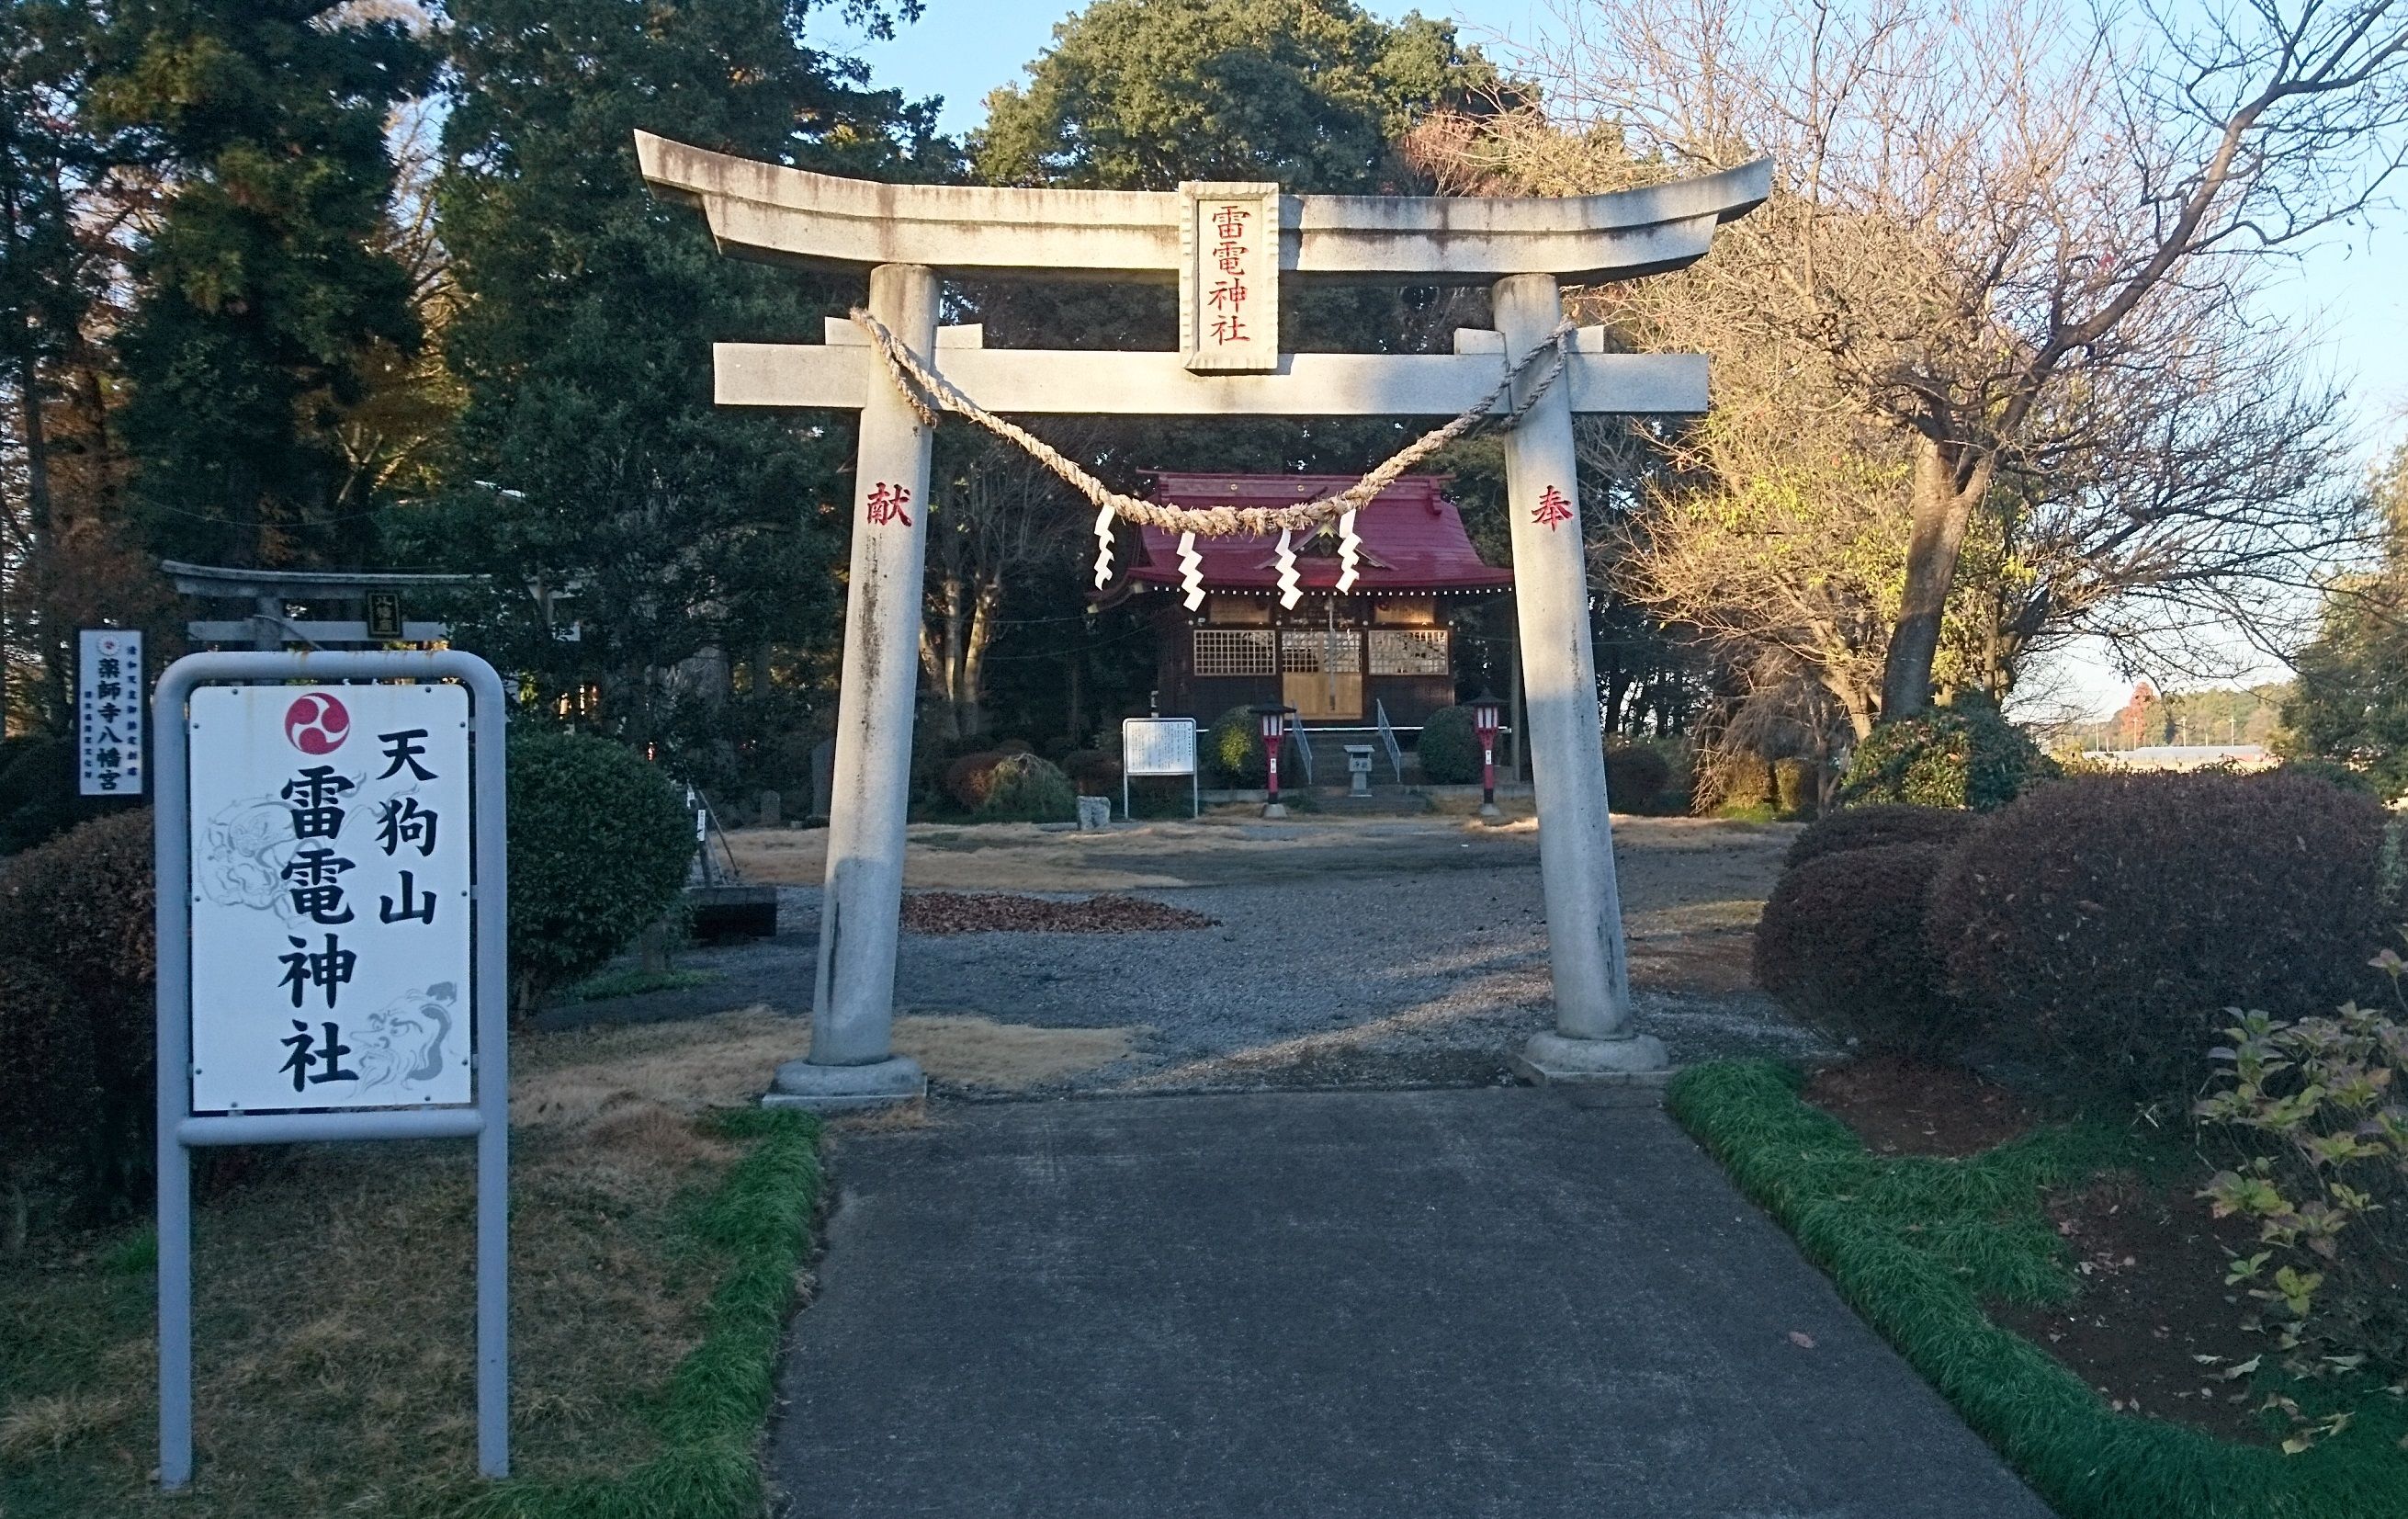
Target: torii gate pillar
x,y
851,1061
1593,1035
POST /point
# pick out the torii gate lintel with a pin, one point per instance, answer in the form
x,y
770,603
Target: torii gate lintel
x,y
1229,245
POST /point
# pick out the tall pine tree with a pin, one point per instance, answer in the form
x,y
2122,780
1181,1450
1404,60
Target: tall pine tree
x,y
592,454
260,291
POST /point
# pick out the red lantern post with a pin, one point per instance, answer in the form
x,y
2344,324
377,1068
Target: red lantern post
x,y
1274,720
1483,721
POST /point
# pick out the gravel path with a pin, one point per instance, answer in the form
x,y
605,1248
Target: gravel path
x,y
1367,954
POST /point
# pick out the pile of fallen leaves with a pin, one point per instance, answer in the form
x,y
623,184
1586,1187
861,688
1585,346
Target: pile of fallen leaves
x,y
1000,913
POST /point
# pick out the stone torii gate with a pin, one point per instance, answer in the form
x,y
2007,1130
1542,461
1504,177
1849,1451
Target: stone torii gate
x,y
1229,246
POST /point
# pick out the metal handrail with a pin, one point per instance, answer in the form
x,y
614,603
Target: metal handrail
x,y
1388,737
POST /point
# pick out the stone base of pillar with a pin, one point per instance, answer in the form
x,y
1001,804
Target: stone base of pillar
x,y
1275,810
1491,811
1552,1059
826,1089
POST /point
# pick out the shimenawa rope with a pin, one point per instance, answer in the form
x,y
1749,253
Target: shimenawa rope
x,y
930,392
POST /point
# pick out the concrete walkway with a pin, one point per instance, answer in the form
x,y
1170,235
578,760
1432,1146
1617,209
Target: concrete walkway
x,y
1430,1304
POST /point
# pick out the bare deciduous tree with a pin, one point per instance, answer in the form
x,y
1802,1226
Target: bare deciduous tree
x,y
1989,218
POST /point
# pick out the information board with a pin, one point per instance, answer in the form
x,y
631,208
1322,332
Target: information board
x,y
330,883
1159,745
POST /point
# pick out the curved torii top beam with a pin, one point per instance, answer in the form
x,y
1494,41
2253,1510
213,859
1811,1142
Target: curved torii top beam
x,y
784,215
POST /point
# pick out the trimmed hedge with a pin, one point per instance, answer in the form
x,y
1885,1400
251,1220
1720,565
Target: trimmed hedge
x,y
1840,948
600,845
49,1083
1877,826
968,778
2104,924
77,1009
1966,756
38,796
1093,772
1450,747
1636,777
1794,791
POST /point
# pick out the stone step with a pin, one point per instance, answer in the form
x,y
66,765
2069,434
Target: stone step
x,y
1330,759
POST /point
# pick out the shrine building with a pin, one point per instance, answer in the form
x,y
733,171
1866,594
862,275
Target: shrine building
x,y
1380,648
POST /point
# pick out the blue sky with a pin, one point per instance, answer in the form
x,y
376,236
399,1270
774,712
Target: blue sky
x,y
2352,291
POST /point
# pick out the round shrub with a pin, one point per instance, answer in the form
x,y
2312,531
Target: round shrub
x,y
1635,776
1875,826
600,845
1967,754
1841,948
2103,924
1023,788
1233,750
38,798
49,1083
1091,771
76,913
968,778
1450,747
1794,792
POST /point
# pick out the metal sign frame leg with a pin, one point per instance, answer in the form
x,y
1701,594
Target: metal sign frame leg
x,y
180,1130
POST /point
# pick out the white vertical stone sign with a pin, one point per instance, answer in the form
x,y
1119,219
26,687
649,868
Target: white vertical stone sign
x,y
331,852
109,712
1228,277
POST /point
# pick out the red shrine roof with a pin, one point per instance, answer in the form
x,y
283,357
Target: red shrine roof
x,y
1414,541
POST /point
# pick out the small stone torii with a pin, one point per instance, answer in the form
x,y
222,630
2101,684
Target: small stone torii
x,y
1229,246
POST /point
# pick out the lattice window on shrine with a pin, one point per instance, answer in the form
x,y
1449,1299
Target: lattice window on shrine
x,y
1236,651
1321,652
1421,651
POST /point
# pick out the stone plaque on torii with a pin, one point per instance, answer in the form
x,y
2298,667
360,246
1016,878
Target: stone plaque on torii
x,y
1230,246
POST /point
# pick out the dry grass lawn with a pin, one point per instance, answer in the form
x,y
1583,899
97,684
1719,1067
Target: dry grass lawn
x,y
334,1343
965,1050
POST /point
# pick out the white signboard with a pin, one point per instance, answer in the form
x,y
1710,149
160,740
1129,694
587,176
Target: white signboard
x,y
109,712
1228,277
1158,746
331,937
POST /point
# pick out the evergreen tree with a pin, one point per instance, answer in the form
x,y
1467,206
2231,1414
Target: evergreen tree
x,y
2349,703
47,283
260,290
1140,94
593,459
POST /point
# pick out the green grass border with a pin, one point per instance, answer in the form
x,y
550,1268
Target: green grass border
x,y
1914,1285
719,1396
